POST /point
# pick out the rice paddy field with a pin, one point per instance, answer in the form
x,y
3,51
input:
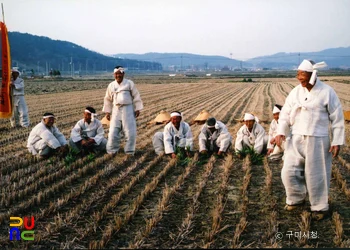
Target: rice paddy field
x,y
104,201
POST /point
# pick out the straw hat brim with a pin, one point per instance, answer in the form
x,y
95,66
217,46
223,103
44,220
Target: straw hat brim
x,y
203,116
104,121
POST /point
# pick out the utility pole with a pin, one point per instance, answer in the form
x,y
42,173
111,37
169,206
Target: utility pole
x,y
71,66
181,64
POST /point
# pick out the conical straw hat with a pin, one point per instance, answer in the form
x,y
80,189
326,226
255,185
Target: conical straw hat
x,y
203,116
104,121
347,115
163,116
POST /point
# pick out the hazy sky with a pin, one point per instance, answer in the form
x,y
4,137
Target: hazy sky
x,y
245,28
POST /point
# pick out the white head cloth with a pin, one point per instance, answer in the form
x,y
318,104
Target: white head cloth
x,y
48,116
119,69
307,66
16,71
248,117
275,110
92,114
175,114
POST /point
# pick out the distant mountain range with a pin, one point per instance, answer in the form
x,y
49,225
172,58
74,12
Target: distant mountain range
x,y
40,54
335,58
184,61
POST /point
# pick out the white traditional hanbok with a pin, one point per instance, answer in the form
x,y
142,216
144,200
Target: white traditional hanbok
x,y
20,108
256,139
42,139
219,140
307,163
171,137
83,130
122,100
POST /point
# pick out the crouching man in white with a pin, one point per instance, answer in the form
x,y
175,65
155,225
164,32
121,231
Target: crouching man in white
x,y
45,139
88,134
176,134
214,138
251,134
309,109
274,152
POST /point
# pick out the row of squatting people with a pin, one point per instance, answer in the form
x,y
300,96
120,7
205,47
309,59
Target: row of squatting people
x,y
87,136
214,137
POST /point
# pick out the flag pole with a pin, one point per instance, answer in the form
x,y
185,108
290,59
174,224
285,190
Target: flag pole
x,y
3,13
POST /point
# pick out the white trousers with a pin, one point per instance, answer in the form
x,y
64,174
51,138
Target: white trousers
x,y
41,148
96,147
307,169
158,143
20,112
215,145
246,142
122,120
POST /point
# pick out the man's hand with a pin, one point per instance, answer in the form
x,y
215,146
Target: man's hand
x,y
108,116
204,152
334,150
269,151
273,141
137,113
173,155
240,156
62,150
279,139
91,141
84,143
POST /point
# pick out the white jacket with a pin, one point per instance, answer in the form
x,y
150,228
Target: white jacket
x,y
311,113
272,132
256,137
182,137
124,93
52,137
221,131
93,130
18,87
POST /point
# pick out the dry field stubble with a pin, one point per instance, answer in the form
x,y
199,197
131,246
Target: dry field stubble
x,y
155,202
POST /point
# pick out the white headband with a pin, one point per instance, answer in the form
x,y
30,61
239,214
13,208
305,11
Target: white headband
x,y
48,116
118,69
275,110
175,114
307,66
88,111
248,117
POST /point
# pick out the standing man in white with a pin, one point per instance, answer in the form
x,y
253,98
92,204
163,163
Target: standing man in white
x,y
309,110
122,105
20,109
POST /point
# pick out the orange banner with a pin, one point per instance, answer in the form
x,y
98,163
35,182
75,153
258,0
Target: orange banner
x,y
5,94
